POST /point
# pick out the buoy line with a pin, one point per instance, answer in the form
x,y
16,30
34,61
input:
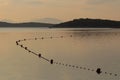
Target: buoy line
x,y
51,61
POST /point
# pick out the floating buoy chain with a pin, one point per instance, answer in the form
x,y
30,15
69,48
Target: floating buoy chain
x,y
51,61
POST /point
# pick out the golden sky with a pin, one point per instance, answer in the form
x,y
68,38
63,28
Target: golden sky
x,y
25,10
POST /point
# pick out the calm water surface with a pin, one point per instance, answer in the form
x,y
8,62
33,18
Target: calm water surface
x,y
87,48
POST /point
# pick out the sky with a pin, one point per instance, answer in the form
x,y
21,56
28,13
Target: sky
x,y
65,10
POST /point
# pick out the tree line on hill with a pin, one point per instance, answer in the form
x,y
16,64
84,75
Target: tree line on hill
x,y
76,23
89,23
27,24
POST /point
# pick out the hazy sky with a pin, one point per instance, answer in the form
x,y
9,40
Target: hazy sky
x,y
23,10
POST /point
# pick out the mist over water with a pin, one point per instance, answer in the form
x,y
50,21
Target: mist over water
x,y
92,49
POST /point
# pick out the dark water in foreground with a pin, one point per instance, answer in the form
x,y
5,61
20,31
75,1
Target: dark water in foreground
x,y
89,49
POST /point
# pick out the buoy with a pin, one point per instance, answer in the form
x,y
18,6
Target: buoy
x,y
51,61
51,37
110,73
21,45
84,68
42,38
98,71
115,74
80,67
16,42
35,38
73,66
25,48
76,66
61,36
39,55
69,65
29,51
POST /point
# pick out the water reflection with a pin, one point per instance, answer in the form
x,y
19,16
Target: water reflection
x,y
76,55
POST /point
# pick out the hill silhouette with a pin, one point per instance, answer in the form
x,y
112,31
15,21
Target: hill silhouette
x,y
76,23
48,20
27,24
89,23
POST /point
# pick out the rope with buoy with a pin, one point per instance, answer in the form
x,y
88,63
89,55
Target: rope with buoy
x,y
51,61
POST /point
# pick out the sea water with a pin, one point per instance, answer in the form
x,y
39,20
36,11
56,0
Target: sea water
x,y
79,53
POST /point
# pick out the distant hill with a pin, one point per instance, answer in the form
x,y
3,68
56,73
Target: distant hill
x,y
89,23
27,24
48,20
6,20
76,23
